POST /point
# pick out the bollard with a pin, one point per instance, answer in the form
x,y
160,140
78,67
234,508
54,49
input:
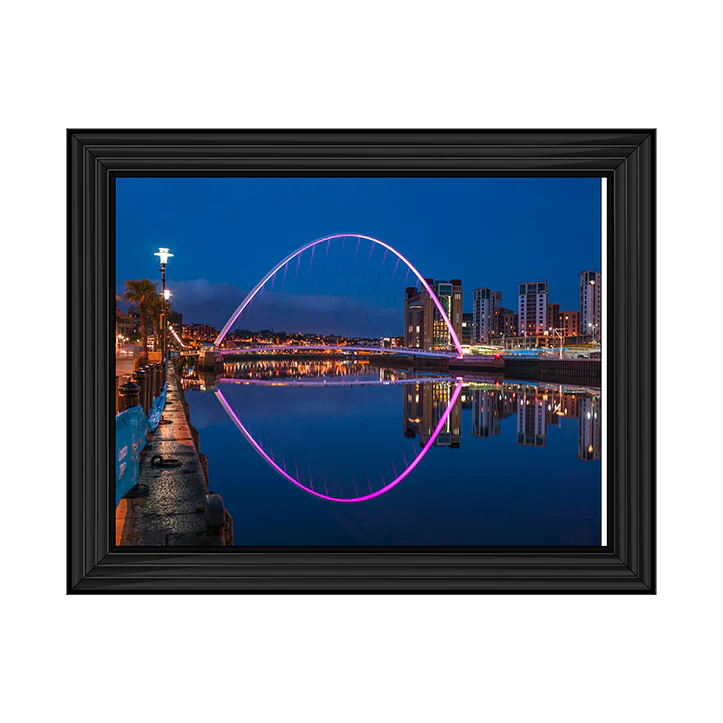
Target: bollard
x,y
214,512
139,377
129,395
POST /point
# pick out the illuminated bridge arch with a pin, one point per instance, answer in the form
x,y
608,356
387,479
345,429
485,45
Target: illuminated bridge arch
x,y
300,250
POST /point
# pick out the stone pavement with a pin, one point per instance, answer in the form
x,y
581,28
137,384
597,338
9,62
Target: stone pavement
x,y
173,511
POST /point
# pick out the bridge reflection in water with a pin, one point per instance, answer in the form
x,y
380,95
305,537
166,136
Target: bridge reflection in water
x,y
432,409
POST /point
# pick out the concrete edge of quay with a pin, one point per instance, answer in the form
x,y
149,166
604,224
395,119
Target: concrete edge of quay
x,y
178,508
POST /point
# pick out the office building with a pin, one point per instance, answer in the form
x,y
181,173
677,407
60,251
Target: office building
x,y
466,337
568,323
424,327
532,308
484,303
553,314
506,323
590,304
200,332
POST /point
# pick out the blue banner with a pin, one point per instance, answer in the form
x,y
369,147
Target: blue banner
x,y
157,409
131,428
130,438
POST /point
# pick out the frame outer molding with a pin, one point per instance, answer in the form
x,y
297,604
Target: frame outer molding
x,y
625,157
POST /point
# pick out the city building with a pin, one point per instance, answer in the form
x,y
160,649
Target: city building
x,y
391,342
568,323
553,313
532,308
484,303
417,316
506,323
175,320
466,337
424,327
126,324
590,304
200,332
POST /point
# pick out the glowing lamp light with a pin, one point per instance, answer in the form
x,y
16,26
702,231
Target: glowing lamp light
x,y
166,294
164,255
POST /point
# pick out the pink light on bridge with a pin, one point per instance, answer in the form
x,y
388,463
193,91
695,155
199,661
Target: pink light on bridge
x,y
313,244
386,488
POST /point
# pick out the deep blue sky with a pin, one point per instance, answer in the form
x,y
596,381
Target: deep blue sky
x,y
226,233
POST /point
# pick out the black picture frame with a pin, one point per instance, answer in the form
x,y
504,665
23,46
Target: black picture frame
x,y
625,157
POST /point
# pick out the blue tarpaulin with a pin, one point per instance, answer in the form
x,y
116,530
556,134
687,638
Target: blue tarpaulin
x,y
131,427
157,409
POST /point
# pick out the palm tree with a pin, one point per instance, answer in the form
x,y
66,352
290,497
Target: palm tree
x,y
155,310
143,296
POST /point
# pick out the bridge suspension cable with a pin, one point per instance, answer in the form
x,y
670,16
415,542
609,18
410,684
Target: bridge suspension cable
x,y
312,245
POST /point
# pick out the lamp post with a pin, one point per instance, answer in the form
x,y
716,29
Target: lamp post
x,y
557,332
164,255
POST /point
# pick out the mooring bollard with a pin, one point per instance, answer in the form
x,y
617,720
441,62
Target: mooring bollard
x,y
214,512
139,377
159,379
129,396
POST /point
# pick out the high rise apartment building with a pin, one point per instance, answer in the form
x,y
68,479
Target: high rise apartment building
x,y
532,308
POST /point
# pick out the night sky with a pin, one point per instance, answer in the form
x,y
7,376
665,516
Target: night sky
x,y
226,233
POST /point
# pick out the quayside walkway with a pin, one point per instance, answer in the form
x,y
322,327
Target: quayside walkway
x,y
177,509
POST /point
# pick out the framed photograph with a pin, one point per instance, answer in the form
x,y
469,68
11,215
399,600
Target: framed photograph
x,y
361,361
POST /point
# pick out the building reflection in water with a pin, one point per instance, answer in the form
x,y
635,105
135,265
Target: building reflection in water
x,y
536,406
301,369
424,405
588,445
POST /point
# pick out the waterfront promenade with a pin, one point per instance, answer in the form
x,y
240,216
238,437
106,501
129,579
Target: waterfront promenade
x,y
177,508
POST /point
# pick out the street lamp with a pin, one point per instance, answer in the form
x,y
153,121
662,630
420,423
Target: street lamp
x,y
164,255
557,332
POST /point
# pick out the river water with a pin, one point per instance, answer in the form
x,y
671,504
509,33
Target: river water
x,y
344,453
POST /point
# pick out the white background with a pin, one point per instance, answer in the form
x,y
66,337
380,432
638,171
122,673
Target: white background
x,y
363,64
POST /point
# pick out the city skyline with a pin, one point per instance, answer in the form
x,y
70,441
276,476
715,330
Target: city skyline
x,y
553,225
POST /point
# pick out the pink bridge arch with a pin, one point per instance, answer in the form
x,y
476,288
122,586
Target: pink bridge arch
x,y
267,457
301,249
